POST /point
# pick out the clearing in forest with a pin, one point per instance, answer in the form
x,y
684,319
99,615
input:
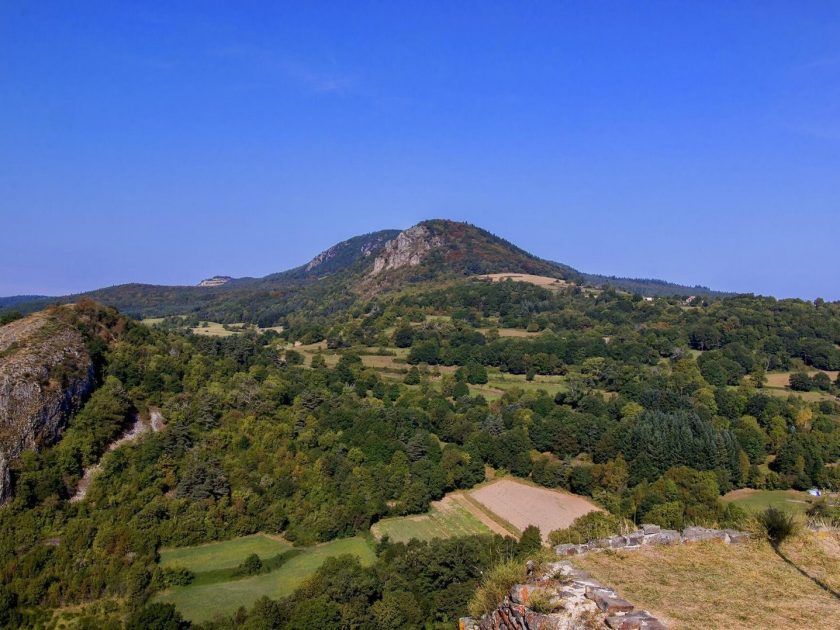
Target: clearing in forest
x,y
540,281
201,602
521,504
759,500
782,379
226,554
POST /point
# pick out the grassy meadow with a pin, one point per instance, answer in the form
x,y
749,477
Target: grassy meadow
x,y
446,521
759,500
222,555
201,602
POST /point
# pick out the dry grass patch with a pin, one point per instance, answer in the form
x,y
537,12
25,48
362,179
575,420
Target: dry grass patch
x,y
711,585
818,554
540,281
782,379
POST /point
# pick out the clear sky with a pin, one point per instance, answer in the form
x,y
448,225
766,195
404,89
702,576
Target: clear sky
x,y
165,142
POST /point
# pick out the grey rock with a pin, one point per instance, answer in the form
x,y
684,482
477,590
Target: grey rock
x,y
34,404
635,538
664,537
698,534
735,537
639,620
406,250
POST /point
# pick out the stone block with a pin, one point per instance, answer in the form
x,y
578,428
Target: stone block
x,y
650,529
698,534
638,620
635,538
594,591
541,621
610,602
665,537
736,537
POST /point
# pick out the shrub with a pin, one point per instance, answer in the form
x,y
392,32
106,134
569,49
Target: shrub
x,y
177,576
252,565
824,512
495,585
801,382
413,376
777,525
540,602
158,616
668,515
531,541
589,527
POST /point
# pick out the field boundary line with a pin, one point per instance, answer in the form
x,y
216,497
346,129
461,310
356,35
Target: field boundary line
x,y
475,505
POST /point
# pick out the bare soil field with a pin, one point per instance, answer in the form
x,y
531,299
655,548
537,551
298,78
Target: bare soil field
x,y
523,504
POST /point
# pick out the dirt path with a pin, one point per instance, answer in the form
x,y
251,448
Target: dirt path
x,y
134,433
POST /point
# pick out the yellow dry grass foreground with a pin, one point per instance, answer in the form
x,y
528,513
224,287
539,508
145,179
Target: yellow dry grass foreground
x,y
711,585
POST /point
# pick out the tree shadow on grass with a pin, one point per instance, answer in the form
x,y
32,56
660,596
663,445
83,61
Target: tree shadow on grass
x,y
815,580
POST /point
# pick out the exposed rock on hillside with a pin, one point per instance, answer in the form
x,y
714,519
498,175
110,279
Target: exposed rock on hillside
x,y
215,281
345,254
45,374
407,250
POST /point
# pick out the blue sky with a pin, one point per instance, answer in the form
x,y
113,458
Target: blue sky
x,y
167,142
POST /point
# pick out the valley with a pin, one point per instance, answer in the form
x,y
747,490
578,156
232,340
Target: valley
x,y
355,443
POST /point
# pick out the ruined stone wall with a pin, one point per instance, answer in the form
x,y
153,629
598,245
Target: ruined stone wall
x,y
562,597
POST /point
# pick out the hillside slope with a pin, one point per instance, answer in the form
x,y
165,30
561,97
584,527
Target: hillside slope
x,y
47,370
432,250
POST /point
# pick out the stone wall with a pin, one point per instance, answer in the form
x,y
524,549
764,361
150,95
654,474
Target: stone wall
x,y
562,597
653,535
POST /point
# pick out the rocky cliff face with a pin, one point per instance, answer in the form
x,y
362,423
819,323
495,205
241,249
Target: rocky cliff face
x,y
407,250
45,374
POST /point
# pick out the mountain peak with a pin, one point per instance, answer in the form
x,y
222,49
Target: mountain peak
x,y
443,247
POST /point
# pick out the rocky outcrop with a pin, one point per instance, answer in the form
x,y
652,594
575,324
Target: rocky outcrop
x,y
561,597
45,375
215,281
406,250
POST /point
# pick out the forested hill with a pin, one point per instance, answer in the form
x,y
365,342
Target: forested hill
x,y
431,251
650,287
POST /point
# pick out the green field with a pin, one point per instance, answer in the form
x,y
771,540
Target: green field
x,y
454,520
202,602
222,555
758,500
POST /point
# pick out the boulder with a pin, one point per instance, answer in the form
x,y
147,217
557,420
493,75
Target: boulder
x,y
735,537
699,534
639,620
